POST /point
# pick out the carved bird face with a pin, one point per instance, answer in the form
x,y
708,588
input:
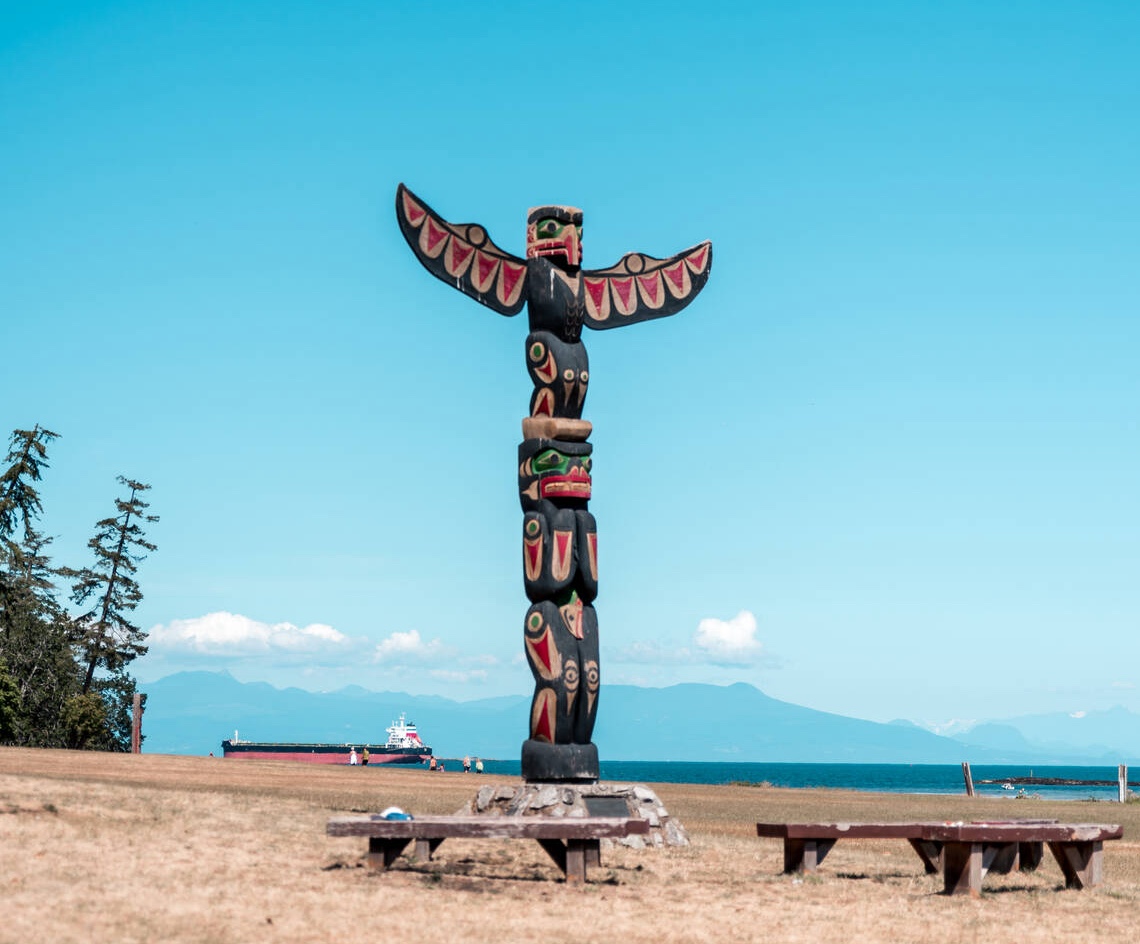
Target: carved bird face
x,y
556,232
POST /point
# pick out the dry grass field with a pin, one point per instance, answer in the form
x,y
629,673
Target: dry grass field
x,y
133,848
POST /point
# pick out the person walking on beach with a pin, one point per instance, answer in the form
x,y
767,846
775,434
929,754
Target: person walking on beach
x,y
466,764
364,757
478,765
352,758
432,764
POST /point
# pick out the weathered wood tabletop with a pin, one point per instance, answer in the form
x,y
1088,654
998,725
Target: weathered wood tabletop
x,y
574,843
964,852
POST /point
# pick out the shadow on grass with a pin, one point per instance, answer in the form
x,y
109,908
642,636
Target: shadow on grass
x,y
1022,889
466,874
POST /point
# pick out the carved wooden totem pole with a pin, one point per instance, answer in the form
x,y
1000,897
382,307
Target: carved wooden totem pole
x,y
560,557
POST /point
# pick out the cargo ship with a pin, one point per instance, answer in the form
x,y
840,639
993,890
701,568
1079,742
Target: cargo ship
x,y
402,747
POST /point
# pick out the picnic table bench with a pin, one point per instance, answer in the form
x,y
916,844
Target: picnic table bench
x,y
963,852
574,843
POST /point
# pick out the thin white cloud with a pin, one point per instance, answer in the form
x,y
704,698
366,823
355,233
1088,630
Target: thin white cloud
x,y
401,648
1077,714
729,642
231,634
716,642
459,677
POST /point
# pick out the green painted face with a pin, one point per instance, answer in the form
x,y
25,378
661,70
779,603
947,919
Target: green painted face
x,y
552,469
551,461
548,228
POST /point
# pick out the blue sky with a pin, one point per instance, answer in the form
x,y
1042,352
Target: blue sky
x,y
886,465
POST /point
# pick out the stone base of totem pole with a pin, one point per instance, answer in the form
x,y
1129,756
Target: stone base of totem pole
x,y
559,763
582,799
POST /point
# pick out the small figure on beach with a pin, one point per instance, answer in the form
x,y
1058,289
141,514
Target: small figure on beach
x,y
478,765
352,758
364,757
466,764
432,765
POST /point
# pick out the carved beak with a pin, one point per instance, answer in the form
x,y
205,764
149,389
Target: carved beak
x,y
567,245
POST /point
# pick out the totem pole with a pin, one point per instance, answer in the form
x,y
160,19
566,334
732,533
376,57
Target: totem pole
x,y
560,550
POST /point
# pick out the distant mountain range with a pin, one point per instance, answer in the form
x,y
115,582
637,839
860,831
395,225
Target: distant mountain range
x,y
191,712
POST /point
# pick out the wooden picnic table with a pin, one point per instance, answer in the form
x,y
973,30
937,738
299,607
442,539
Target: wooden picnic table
x,y
963,852
574,843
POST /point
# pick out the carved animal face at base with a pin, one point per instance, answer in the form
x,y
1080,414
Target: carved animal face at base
x,y
555,231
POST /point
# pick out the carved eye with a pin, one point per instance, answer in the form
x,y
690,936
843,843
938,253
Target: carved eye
x,y
534,622
548,228
532,528
568,375
537,350
584,376
550,459
587,463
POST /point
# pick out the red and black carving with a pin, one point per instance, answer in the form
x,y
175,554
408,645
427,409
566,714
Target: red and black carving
x,y
560,372
561,637
560,536
559,295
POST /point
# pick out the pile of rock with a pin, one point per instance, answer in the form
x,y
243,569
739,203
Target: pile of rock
x,y
593,799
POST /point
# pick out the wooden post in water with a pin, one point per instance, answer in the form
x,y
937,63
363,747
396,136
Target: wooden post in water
x,y
968,778
136,724
1122,777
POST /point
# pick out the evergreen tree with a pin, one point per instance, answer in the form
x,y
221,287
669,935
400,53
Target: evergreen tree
x,y
64,682
19,504
35,638
27,455
9,706
106,638
37,642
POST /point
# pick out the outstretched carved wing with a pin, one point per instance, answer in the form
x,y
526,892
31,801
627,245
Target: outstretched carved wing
x,y
463,255
640,287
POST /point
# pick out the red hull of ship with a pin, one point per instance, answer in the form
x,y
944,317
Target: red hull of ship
x,y
308,757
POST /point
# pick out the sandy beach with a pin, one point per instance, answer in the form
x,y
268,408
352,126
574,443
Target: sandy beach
x,y
134,848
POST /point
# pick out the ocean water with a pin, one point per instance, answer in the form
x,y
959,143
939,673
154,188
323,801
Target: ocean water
x,y
878,778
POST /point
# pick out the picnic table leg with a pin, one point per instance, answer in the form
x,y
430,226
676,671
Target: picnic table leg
x,y
572,855
383,852
425,849
1001,858
593,854
1082,862
576,855
962,868
1029,855
930,851
805,855
556,849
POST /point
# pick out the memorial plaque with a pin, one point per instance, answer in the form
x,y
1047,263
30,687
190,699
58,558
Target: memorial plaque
x,y
606,806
